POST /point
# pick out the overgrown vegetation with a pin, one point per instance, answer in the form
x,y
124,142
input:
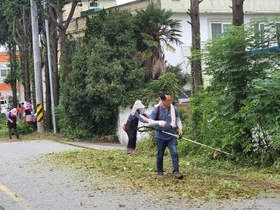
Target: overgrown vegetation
x,y
240,108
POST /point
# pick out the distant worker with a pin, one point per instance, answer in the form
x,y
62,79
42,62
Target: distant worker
x,y
20,110
28,113
12,123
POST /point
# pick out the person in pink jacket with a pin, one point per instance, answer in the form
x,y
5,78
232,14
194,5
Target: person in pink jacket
x,y
12,123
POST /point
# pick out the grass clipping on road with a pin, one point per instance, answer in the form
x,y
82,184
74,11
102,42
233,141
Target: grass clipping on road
x,y
204,178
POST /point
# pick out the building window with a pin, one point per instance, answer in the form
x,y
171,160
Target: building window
x,y
4,72
93,4
267,35
259,28
218,28
260,35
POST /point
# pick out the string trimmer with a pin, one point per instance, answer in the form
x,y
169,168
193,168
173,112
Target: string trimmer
x,y
217,151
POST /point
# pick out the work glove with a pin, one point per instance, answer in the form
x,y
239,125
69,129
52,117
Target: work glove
x,y
162,123
156,122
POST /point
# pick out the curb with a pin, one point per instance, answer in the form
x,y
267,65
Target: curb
x,y
98,146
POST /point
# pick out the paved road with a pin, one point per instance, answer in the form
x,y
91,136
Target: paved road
x,y
25,184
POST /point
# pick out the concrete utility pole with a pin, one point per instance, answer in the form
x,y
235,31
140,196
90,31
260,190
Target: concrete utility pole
x,y
37,66
50,70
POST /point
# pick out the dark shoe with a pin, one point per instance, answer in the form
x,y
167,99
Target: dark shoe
x,y
160,174
177,175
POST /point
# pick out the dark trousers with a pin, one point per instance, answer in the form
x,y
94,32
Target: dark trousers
x,y
132,137
15,130
172,146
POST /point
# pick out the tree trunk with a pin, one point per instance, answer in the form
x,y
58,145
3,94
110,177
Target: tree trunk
x,y
196,46
27,51
56,15
25,64
24,60
13,72
22,37
238,20
237,12
64,56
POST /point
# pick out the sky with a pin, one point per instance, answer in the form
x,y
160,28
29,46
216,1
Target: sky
x,y
119,2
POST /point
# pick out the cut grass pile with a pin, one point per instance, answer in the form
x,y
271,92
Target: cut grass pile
x,y
204,178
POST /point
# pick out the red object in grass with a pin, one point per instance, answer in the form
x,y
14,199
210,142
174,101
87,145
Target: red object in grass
x,y
216,153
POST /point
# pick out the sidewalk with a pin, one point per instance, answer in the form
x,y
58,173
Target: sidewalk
x,y
99,146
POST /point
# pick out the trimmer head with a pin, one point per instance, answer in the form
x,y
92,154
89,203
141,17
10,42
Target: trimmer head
x,y
233,158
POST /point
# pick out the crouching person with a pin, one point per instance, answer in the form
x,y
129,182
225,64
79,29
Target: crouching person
x,y
12,123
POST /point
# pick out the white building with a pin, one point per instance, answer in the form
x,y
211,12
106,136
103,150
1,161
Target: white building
x,y
215,15
5,89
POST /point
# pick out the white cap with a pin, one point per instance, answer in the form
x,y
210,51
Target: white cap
x,y
137,105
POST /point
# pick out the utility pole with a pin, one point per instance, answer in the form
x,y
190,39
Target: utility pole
x,y
50,70
37,66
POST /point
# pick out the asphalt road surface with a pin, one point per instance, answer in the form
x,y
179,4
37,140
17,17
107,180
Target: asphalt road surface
x,y
26,184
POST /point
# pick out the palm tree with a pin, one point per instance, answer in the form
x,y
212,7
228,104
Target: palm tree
x,y
156,29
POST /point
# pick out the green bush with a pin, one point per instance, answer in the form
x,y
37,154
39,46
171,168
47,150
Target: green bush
x,y
238,113
24,128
